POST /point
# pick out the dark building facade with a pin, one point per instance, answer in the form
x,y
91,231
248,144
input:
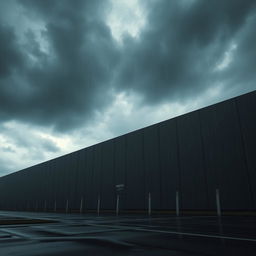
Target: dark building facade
x,y
183,159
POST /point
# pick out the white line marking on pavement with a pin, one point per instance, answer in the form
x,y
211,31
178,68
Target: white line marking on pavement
x,y
180,233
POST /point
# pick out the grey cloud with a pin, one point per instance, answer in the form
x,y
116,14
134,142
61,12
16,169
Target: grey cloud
x,y
49,146
10,56
4,167
22,145
175,57
241,71
8,149
64,87
59,65
21,138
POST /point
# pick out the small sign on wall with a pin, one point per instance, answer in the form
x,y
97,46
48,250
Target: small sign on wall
x,y
119,187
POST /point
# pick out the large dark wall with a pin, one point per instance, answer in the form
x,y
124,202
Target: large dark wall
x,y
194,154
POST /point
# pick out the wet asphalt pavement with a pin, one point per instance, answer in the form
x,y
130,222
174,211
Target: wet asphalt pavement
x,y
27,234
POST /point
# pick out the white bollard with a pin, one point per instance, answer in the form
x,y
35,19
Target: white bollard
x,y
117,205
98,206
149,204
177,204
218,202
67,206
81,205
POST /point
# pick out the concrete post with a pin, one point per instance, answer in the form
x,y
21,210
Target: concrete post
x,y
81,205
67,206
177,204
149,204
218,202
117,205
98,206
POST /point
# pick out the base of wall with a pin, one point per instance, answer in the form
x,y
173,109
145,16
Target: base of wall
x,y
145,212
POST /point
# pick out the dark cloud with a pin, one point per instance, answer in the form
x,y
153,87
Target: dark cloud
x,y
176,54
63,86
241,71
10,56
67,69
60,68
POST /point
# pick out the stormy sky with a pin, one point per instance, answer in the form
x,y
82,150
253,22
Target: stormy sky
x,y
77,72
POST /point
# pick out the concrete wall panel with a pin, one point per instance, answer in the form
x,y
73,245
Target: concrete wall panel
x,y
96,177
152,166
212,153
135,177
59,178
191,161
120,168
90,198
108,195
73,172
246,107
169,166
232,171
81,178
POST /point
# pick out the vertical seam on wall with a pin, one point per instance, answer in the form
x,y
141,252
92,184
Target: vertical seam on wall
x,y
78,177
70,184
54,180
77,193
144,169
69,159
92,176
159,165
244,155
217,172
204,159
100,169
49,185
125,172
114,169
84,188
178,162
